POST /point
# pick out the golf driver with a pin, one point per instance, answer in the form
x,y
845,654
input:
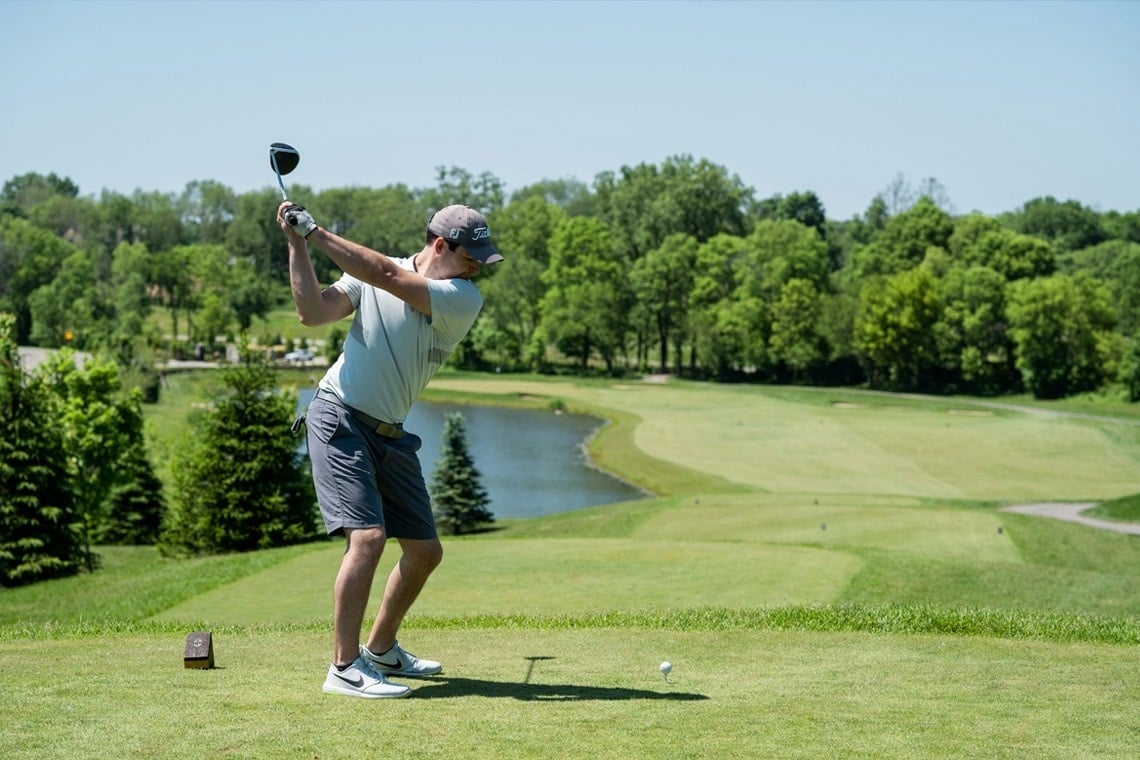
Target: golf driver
x,y
283,158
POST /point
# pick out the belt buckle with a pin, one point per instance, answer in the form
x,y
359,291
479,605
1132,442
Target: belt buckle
x,y
389,430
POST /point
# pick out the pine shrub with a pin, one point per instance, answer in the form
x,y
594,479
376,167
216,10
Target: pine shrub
x,y
457,493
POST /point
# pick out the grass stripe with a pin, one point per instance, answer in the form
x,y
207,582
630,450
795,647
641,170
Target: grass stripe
x,y
906,619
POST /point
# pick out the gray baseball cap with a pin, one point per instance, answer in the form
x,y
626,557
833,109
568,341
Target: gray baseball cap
x,y
466,226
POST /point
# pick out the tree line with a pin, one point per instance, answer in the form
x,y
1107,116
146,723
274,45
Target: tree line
x,y
675,267
672,268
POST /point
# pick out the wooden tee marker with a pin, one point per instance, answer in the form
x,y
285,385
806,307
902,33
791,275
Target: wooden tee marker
x,y
199,650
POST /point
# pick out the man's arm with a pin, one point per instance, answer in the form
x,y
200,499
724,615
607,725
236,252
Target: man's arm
x,y
314,305
375,268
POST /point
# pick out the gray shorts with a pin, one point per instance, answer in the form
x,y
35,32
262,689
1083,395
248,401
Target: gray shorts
x,y
363,479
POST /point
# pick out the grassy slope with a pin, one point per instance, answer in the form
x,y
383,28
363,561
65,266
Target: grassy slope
x,y
945,637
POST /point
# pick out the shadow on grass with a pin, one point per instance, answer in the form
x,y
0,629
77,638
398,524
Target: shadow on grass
x,y
441,687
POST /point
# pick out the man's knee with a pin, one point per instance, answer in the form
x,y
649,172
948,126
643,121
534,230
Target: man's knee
x,y
365,542
426,555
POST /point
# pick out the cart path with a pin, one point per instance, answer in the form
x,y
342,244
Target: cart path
x,y
1071,511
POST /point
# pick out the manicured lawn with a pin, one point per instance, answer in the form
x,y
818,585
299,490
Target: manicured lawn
x,y
512,692
826,569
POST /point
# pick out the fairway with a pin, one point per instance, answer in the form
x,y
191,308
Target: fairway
x,y
829,521
573,575
814,441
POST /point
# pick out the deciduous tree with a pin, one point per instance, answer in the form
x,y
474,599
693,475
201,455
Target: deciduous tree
x,y
20,195
1115,263
894,327
29,258
484,192
512,293
1068,225
974,344
646,203
584,311
715,325
904,241
662,281
795,340
1061,328
100,422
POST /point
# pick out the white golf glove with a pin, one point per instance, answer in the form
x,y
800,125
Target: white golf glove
x,y
300,220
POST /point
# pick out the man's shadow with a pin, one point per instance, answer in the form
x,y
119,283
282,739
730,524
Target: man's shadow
x,y
444,686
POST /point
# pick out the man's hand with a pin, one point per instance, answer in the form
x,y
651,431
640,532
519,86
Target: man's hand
x,y
300,220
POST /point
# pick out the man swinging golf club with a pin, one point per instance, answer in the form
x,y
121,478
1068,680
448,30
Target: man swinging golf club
x,y
410,313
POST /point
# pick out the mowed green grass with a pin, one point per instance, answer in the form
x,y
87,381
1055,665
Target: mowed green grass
x,y
568,575
836,442
511,693
738,550
827,570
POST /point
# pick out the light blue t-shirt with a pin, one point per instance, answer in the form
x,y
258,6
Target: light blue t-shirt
x,y
392,350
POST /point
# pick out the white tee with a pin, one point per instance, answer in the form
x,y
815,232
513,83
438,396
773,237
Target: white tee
x,y
392,350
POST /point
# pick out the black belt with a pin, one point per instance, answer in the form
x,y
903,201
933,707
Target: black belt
x,y
386,429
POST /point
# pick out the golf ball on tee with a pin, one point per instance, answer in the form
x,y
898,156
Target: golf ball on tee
x,y
666,667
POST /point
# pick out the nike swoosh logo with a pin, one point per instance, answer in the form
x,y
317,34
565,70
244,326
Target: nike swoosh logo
x,y
393,666
357,682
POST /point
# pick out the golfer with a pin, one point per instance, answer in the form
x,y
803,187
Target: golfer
x,y
408,316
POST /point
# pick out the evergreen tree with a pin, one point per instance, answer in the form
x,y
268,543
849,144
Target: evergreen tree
x,y
135,507
460,499
38,539
238,482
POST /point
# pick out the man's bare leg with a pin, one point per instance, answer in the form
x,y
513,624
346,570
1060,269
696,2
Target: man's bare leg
x,y
353,586
407,579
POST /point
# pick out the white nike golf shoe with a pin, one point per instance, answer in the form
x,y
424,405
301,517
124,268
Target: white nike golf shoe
x,y
360,680
398,662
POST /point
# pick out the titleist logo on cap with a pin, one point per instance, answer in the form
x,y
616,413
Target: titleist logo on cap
x,y
479,233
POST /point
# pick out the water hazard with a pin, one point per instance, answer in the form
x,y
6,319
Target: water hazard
x,y
532,463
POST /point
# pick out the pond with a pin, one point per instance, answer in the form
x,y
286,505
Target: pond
x,y
531,463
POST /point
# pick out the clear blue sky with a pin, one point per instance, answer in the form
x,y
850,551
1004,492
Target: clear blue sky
x,y
1001,102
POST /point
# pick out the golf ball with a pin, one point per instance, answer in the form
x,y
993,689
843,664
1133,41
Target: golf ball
x,y
666,667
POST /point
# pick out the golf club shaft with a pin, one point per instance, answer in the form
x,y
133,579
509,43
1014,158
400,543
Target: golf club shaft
x,y
290,217
280,182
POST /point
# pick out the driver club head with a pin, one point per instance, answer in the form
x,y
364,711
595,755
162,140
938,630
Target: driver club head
x,y
283,158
